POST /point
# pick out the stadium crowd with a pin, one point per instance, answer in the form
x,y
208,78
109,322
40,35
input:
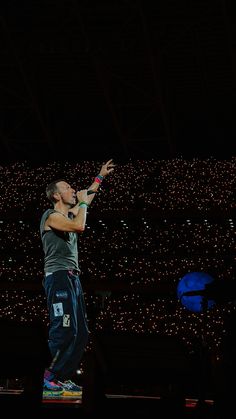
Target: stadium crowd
x,y
159,220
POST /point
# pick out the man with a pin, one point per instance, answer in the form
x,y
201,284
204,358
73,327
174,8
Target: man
x,y
60,227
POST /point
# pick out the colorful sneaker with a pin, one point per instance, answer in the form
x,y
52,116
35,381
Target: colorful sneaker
x,y
70,389
51,389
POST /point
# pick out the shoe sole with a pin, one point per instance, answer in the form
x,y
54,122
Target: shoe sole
x,y
67,393
49,393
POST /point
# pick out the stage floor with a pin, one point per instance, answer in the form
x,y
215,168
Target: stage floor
x,y
136,406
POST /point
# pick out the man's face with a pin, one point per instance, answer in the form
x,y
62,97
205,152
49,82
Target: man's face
x,y
66,193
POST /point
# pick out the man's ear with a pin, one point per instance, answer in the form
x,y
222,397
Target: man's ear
x,y
56,196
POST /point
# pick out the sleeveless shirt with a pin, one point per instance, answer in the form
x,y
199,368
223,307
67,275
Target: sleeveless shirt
x,y
60,247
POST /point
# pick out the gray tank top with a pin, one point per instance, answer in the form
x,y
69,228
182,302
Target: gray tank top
x,y
60,248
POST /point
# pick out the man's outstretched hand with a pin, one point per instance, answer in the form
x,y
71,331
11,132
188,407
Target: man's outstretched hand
x,y
107,168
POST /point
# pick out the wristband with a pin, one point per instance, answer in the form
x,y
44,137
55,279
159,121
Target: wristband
x,y
83,204
98,179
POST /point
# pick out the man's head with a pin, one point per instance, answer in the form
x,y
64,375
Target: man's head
x,y
60,190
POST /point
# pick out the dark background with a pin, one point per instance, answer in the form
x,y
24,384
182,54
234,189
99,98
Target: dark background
x,y
117,79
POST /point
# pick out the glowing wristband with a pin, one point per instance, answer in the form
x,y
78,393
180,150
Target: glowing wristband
x,y
83,204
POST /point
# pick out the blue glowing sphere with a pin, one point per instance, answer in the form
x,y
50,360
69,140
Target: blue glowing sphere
x,y
192,283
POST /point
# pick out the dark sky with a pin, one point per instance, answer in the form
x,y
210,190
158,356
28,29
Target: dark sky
x,y
121,79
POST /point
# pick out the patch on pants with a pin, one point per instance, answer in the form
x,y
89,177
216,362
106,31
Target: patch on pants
x,y
66,320
58,309
61,295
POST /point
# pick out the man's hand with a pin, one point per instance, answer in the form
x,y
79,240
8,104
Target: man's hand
x,y
82,195
107,168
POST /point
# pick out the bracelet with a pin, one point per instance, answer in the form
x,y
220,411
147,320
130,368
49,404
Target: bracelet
x,y
98,179
83,204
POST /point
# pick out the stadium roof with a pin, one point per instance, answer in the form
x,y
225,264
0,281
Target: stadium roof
x,y
117,79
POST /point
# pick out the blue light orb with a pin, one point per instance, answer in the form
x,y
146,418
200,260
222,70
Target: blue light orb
x,y
191,283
